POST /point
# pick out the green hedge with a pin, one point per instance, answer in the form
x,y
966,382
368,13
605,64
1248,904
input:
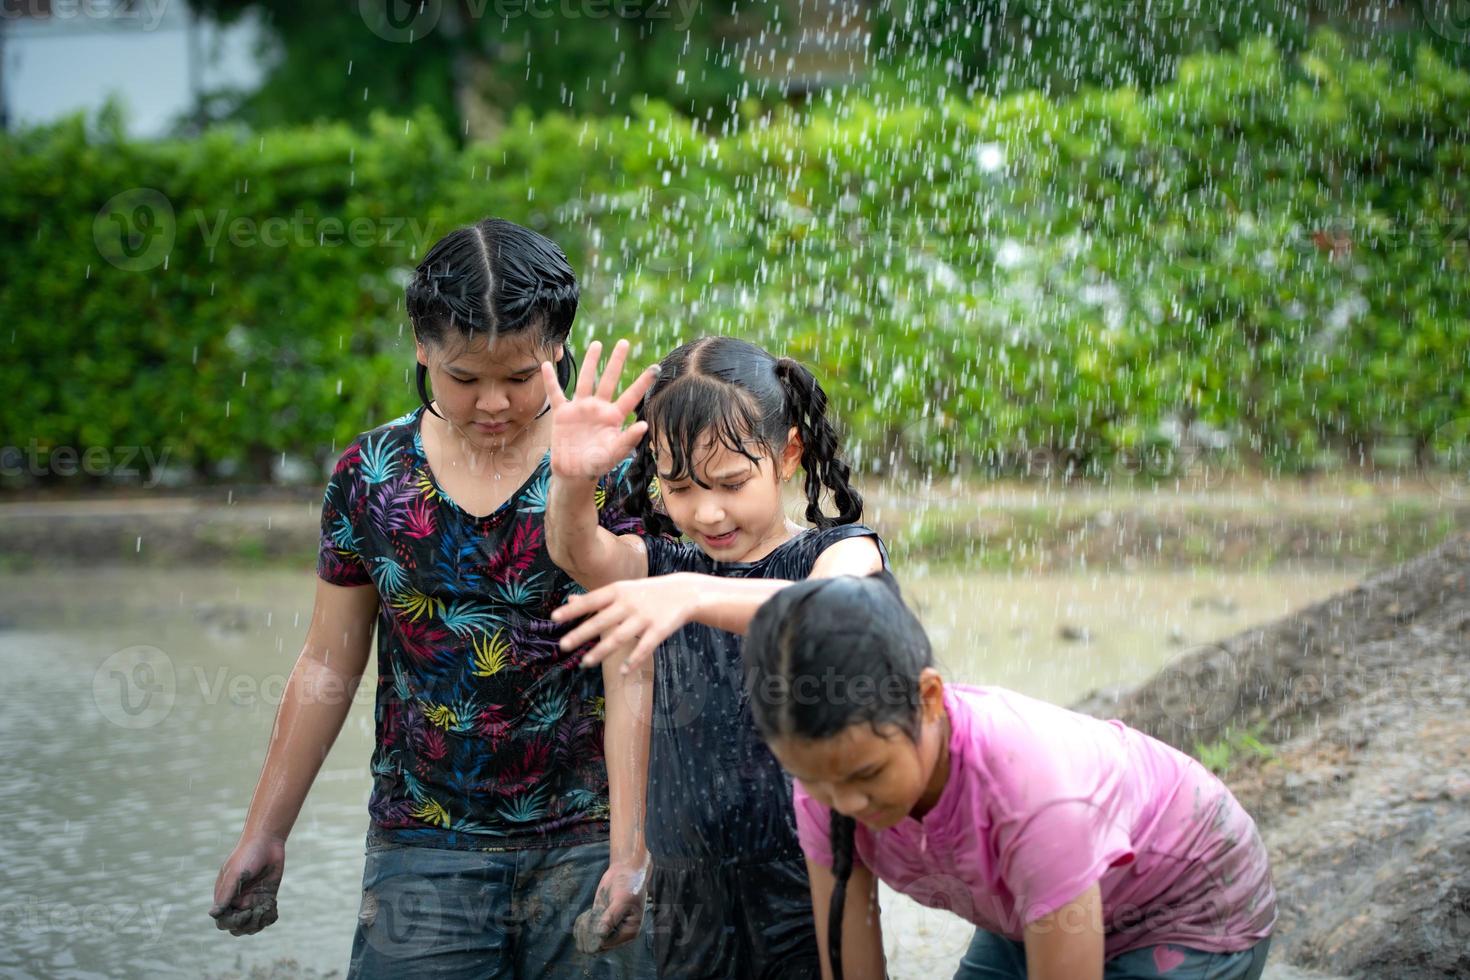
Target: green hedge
x,y
1274,253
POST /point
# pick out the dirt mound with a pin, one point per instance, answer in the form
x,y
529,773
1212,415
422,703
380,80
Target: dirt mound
x,y
1344,730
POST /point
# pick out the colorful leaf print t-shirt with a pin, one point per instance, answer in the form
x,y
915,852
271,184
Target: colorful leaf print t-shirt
x,y
488,735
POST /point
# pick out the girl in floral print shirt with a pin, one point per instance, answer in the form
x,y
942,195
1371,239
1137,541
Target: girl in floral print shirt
x,y
491,809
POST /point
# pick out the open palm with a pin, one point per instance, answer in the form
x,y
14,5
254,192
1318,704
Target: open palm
x,y
587,434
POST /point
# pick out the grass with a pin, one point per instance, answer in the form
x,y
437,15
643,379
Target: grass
x,y
1220,755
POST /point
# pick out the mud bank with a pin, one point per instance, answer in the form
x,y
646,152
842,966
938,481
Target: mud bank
x,y
1344,730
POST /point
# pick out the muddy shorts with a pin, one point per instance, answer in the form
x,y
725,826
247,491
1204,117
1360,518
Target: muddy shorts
x,y
742,922
498,915
993,957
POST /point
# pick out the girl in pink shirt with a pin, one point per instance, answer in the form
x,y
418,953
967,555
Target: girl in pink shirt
x,y
1082,849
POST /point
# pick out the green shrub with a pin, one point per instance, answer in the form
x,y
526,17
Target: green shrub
x,y
1274,253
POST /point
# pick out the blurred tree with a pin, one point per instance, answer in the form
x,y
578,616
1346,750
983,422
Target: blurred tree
x,y
474,61
328,63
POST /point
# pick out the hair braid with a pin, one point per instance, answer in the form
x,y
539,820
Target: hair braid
x,y
842,832
820,453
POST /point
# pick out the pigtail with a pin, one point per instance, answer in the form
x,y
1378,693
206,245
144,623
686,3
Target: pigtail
x,y
842,834
421,376
566,368
820,454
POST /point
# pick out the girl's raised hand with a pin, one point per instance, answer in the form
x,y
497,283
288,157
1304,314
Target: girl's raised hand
x,y
587,434
634,615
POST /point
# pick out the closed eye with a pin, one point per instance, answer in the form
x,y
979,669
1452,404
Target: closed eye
x,y
732,487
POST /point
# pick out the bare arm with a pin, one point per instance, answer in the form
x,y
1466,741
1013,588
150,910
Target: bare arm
x,y
640,615
627,734
730,604
862,930
314,705
617,910
591,554
1068,944
587,441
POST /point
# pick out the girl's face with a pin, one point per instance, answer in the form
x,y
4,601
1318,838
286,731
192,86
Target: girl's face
x,y
738,514
876,777
491,393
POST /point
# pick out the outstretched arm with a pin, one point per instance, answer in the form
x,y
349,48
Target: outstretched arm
x,y
642,614
587,441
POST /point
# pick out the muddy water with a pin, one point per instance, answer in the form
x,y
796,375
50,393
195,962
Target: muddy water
x,y
135,709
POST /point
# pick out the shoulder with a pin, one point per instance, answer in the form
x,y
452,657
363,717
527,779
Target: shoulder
x,y
847,549
367,448
1033,753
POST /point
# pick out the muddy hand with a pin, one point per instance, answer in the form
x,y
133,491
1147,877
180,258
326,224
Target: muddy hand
x,y
245,890
616,914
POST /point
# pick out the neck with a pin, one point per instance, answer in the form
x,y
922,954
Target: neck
x,y
504,455
939,778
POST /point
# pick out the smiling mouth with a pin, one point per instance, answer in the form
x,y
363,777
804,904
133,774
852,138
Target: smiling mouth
x,y
721,539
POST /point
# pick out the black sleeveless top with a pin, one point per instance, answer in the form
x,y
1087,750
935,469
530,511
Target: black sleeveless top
x,y
715,792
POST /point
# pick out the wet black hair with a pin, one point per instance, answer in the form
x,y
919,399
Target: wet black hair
x,y
865,650
745,399
492,278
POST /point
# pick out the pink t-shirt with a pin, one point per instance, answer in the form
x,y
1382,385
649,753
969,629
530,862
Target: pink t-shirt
x,y
1041,802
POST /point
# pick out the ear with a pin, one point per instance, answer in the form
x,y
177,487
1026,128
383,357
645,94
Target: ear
x,y
791,455
557,353
420,353
931,695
